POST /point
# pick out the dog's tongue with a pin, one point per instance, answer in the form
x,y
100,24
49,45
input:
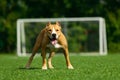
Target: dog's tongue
x,y
54,42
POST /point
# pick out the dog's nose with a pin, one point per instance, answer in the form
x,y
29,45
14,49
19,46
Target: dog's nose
x,y
54,35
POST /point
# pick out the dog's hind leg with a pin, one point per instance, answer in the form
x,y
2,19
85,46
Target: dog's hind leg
x,y
35,49
50,59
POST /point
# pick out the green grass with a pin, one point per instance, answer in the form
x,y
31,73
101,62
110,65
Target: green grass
x,y
86,68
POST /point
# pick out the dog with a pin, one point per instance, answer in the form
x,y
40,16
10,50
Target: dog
x,y
52,38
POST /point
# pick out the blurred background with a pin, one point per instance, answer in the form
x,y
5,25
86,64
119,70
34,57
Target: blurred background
x,y
11,10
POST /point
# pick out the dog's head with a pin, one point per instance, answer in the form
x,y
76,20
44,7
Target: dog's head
x,y
53,31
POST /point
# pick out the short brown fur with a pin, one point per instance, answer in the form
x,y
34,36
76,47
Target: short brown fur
x,y
43,41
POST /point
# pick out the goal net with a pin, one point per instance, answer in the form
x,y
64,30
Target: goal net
x,y
84,35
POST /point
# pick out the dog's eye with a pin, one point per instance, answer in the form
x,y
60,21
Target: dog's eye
x,y
50,30
57,30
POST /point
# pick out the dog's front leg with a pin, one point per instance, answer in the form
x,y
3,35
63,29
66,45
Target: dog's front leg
x,y
44,62
50,59
66,54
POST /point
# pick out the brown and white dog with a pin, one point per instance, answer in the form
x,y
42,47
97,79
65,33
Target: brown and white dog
x,y
51,38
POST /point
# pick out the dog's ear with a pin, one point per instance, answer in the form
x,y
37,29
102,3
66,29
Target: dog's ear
x,y
57,23
49,23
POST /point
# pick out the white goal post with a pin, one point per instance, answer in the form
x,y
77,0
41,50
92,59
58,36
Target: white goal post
x,y
21,38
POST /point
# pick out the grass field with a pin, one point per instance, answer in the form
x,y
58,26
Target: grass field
x,y
86,68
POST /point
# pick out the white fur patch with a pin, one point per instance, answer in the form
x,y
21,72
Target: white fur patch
x,y
54,47
57,46
53,31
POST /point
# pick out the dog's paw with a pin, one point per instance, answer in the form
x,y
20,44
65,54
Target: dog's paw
x,y
27,67
51,67
44,68
70,67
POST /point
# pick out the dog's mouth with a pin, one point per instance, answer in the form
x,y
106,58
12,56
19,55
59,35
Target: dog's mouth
x,y
53,41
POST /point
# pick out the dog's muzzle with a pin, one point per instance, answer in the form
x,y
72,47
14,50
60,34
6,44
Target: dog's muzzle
x,y
53,39
54,36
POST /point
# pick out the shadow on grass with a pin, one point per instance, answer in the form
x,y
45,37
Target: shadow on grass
x,y
32,68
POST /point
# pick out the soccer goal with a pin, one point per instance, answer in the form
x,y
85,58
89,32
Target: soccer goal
x,y
85,35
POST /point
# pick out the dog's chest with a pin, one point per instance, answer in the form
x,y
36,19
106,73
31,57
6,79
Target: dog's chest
x,y
54,47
